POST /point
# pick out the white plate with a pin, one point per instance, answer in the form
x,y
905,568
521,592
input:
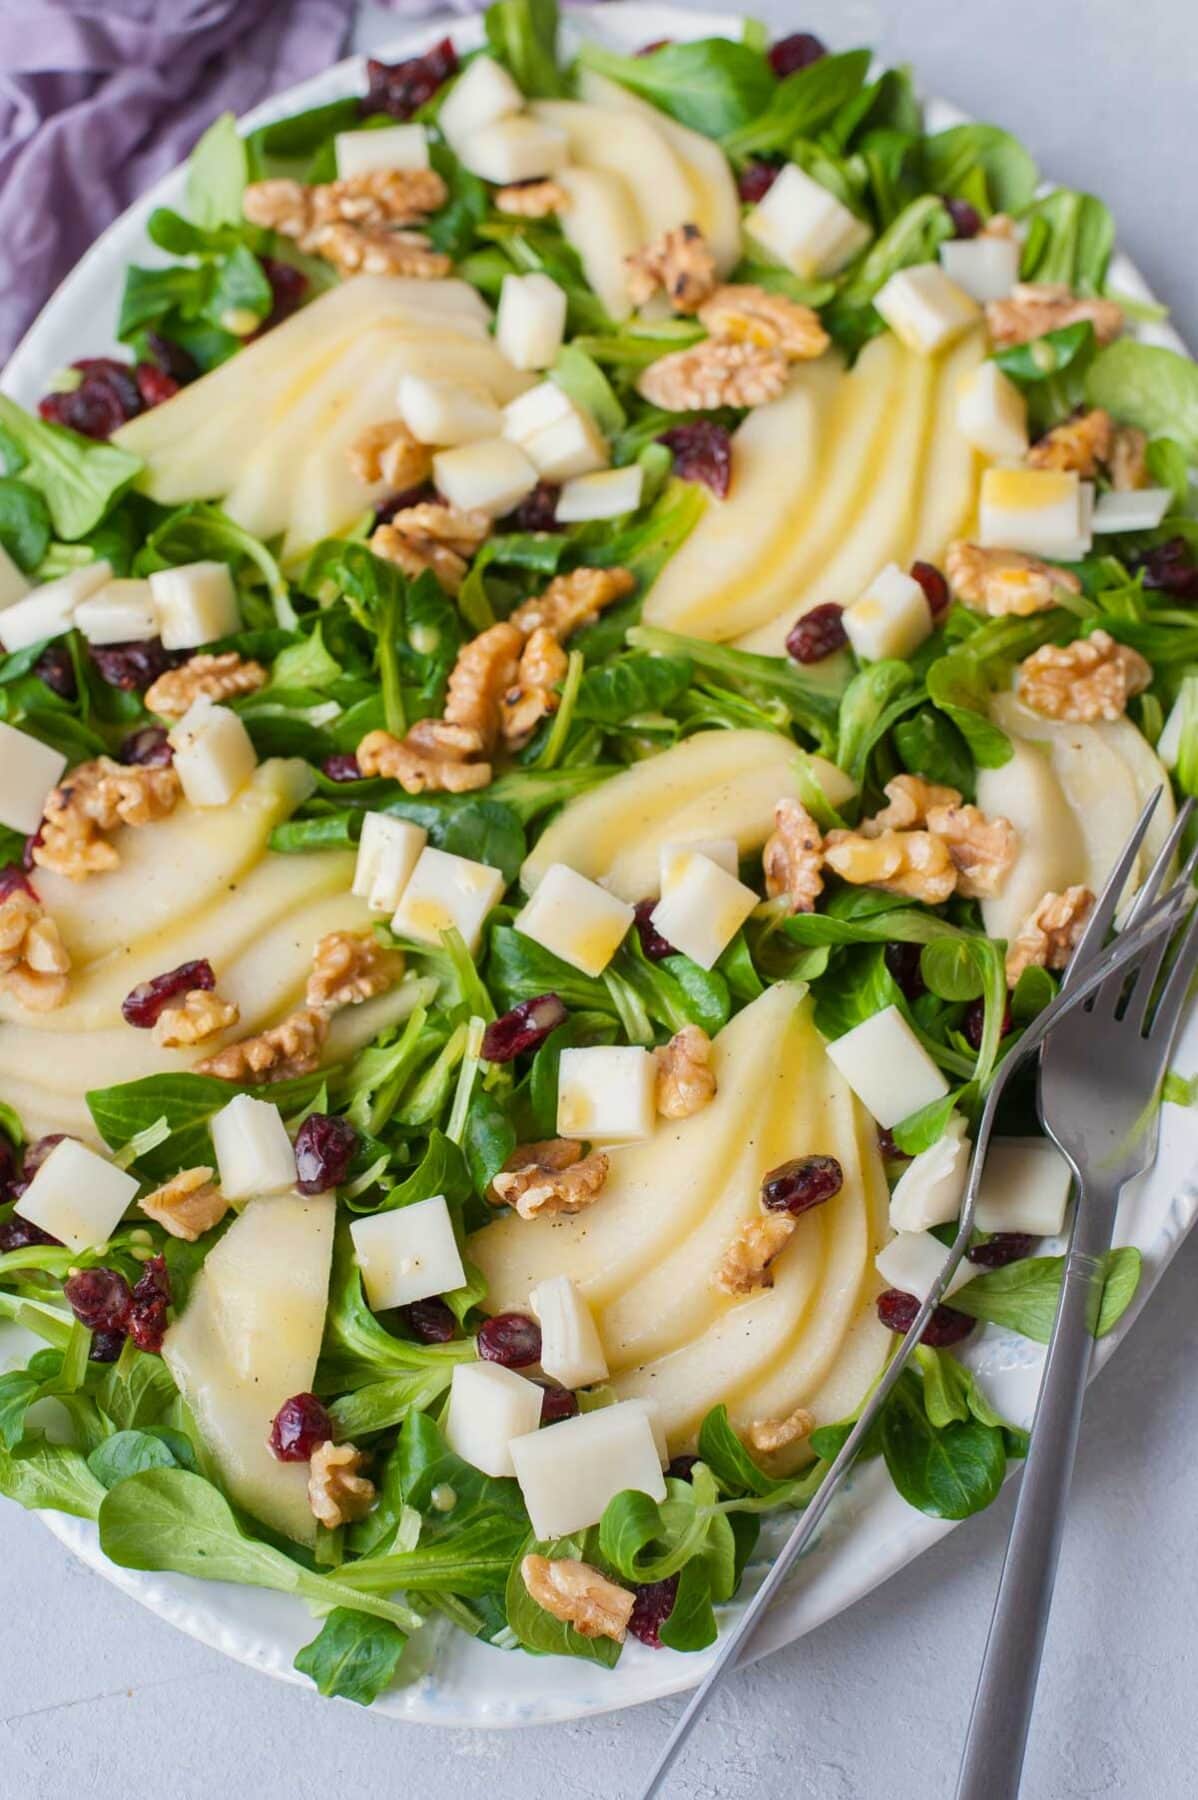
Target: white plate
x,y
871,1534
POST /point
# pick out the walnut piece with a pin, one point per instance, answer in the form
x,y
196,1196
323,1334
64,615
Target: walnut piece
x,y
532,199
388,452
432,536
578,1595
337,1492
716,372
1081,444
983,848
792,857
188,1205
485,669
549,1177
900,862
743,313
768,1435
1128,464
349,967
290,1048
680,262
572,600
533,695
350,223
745,1264
685,1077
97,797
373,250
1049,934
911,798
1002,582
220,677
1035,307
199,1015
1092,678
434,759
34,962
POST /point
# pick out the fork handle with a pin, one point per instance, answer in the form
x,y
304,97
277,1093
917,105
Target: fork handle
x,y
998,1727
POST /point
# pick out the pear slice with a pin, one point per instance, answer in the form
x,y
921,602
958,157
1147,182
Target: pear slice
x,y
604,226
633,151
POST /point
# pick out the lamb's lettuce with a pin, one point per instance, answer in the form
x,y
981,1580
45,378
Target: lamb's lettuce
x,y
1149,386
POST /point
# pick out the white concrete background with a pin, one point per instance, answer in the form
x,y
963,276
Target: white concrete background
x,y
99,1698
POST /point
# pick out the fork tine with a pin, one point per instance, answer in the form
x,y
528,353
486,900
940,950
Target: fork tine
x,y
1140,1000
1103,912
1156,874
1177,985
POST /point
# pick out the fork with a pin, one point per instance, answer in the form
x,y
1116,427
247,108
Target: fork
x,y
1100,1074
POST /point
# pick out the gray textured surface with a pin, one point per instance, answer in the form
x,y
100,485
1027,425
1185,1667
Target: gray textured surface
x,y
97,1697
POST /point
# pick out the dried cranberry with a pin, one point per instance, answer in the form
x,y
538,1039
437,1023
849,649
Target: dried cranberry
x,y
132,666
1172,568
106,1346
37,1152
149,748
143,1004
652,1607
654,44
795,1187
300,1424
902,960
324,1149
755,181
702,452
946,1326
288,286
935,587
172,358
538,510
430,1321
798,51
56,667
682,1468
557,1403
145,1322
154,384
974,1022
10,1169
817,634
512,1339
14,880
18,1233
386,510
105,399
652,943
401,88
524,1028
967,220
888,1150
99,1298
32,842
342,766
1003,1248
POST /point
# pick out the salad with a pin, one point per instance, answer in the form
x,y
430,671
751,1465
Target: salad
x,y
561,704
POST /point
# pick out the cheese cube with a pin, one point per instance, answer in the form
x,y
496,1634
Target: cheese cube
x,y
515,149
891,619
253,1152
447,412
673,858
1025,1187
484,92
77,1196
986,267
444,891
606,1093
197,603
14,583
536,410
491,476
560,438
569,1472
1041,511
805,226
887,1067
390,147
29,770
652,1411
570,1348
388,850
930,1189
912,1262
489,1406
606,495
48,611
531,322
924,309
703,910
576,919
1131,509
120,613
408,1253
992,414
214,755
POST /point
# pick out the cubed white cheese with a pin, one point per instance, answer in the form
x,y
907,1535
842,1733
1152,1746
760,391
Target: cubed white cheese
x,y
491,476
652,1411
912,1262
924,309
569,1472
389,147
703,910
488,1407
483,93
48,611
515,149
77,1196
930,1189
560,439
408,1253
570,1348
986,267
1025,1187
214,755
606,495
576,919
197,603
29,769
14,583
805,226
531,322
606,1093
443,891
891,619
388,850
121,613
673,858
1131,509
253,1152
992,413
447,412
1041,511
535,410
887,1067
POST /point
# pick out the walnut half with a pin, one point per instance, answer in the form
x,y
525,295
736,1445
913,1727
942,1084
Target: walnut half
x,y
337,1492
34,961
578,1595
549,1177
290,1048
1050,933
685,1077
717,372
745,1264
188,1205
1092,678
349,967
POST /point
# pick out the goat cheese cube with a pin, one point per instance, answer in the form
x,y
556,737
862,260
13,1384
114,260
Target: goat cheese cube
x,y
483,93
388,851
930,1189
390,147
14,583
514,149
560,438
49,611
29,770
702,910
673,858
606,495
197,603
214,755
489,1406
445,891
407,1254
986,267
77,1196
1025,1187
447,412
253,1152
887,1067
535,411
490,476
913,1260
606,1093
1041,511
569,1472
1131,509
924,309
992,413
570,1348
891,619
121,612
652,1411
531,322
805,226
575,919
